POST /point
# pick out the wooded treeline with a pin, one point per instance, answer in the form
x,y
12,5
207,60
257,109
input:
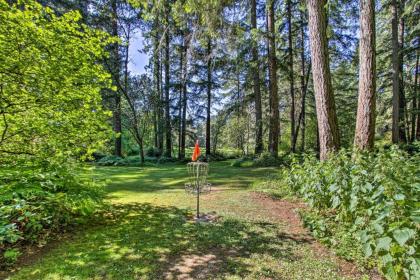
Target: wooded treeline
x,y
259,75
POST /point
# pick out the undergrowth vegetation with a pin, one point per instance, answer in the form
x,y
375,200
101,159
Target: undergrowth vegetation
x,y
42,201
366,205
153,156
263,160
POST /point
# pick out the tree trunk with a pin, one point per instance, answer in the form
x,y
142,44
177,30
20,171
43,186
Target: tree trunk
x,y
366,108
181,67
395,75
256,84
329,140
156,82
301,119
272,68
184,100
291,77
209,83
141,149
116,64
161,101
168,128
403,111
302,82
303,86
416,85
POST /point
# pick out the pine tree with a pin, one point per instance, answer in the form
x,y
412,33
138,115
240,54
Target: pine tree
x,y
365,124
329,140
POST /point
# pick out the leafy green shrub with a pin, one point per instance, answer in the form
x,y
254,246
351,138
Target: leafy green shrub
x,y
133,160
50,126
153,152
133,151
266,160
109,160
128,161
10,256
224,154
374,197
97,156
163,160
38,201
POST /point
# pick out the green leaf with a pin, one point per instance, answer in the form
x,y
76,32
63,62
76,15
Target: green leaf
x,y
388,269
379,229
364,237
402,235
367,249
383,244
399,196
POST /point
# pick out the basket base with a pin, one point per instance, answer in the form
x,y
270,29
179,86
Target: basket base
x,y
206,218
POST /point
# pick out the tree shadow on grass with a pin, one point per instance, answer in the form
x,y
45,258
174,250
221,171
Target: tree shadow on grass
x,y
154,242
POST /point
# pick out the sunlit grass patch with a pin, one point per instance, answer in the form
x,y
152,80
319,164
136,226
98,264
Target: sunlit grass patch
x,y
148,233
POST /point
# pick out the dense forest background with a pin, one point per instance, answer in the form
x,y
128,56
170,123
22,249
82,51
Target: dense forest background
x,y
239,75
209,75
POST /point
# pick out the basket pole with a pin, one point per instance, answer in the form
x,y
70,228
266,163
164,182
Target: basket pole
x,y
198,191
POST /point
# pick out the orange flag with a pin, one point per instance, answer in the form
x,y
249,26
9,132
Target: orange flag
x,y
196,152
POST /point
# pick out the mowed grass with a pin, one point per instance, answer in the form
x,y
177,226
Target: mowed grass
x,y
149,233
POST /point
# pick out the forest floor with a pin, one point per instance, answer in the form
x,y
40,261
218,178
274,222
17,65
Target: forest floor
x,y
150,233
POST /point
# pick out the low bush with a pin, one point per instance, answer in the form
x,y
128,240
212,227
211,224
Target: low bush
x,y
36,202
263,160
163,160
133,161
153,152
108,160
266,159
373,198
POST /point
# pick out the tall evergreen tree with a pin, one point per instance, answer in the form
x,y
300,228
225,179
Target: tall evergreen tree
x,y
272,67
329,139
168,129
365,124
256,82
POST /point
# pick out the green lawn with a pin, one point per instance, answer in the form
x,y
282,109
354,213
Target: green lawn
x,y
149,233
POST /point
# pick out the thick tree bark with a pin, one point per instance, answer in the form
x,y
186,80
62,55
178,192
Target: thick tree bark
x,y
256,84
366,109
116,68
395,75
291,77
414,109
329,140
208,109
168,129
272,68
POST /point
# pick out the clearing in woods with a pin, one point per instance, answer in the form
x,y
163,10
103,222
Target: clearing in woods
x,y
150,234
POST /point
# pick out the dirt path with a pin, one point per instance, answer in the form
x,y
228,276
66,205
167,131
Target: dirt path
x,y
287,212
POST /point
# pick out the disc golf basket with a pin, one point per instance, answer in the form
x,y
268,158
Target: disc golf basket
x,y
197,181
